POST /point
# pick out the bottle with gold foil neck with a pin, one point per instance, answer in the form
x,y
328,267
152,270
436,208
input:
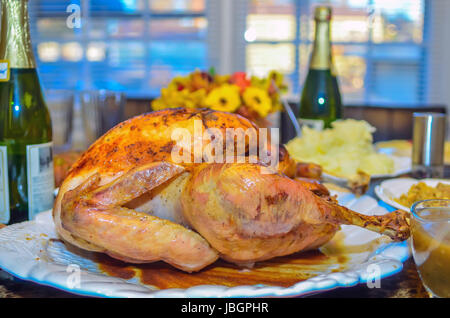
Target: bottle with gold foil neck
x,y
26,161
320,102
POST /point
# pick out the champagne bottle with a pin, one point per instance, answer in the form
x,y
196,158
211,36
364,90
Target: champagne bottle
x,y
26,162
320,102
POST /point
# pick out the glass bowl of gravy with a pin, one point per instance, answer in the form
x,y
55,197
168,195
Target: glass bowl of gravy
x,y
430,243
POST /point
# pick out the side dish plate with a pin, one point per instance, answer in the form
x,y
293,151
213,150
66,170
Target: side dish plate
x,y
402,165
394,188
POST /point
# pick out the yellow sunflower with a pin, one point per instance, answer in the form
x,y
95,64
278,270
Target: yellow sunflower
x,y
171,98
224,98
196,99
221,79
258,100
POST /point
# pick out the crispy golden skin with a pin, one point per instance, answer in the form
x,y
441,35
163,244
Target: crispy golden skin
x,y
126,197
134,143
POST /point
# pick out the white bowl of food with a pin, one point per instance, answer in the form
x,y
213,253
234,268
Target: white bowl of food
x,y
401,193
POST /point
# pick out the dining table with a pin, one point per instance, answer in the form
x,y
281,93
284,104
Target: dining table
x,y
404,284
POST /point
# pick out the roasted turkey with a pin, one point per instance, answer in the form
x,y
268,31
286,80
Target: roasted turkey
x,y
127,197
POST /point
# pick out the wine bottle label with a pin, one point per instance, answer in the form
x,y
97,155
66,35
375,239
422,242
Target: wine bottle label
x,y
40,178
4,70
316,124
4,190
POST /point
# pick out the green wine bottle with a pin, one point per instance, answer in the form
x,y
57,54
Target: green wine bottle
x,y
26,161
320,102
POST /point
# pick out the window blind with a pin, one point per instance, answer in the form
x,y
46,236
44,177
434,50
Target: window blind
x,y
379,46
135,46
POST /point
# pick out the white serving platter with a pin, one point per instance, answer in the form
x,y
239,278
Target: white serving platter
x,y
31,251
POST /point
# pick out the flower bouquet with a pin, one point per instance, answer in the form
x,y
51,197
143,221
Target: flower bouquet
x,y
250,96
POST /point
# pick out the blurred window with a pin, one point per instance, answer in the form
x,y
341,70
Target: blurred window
x,y
132,45
379,46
